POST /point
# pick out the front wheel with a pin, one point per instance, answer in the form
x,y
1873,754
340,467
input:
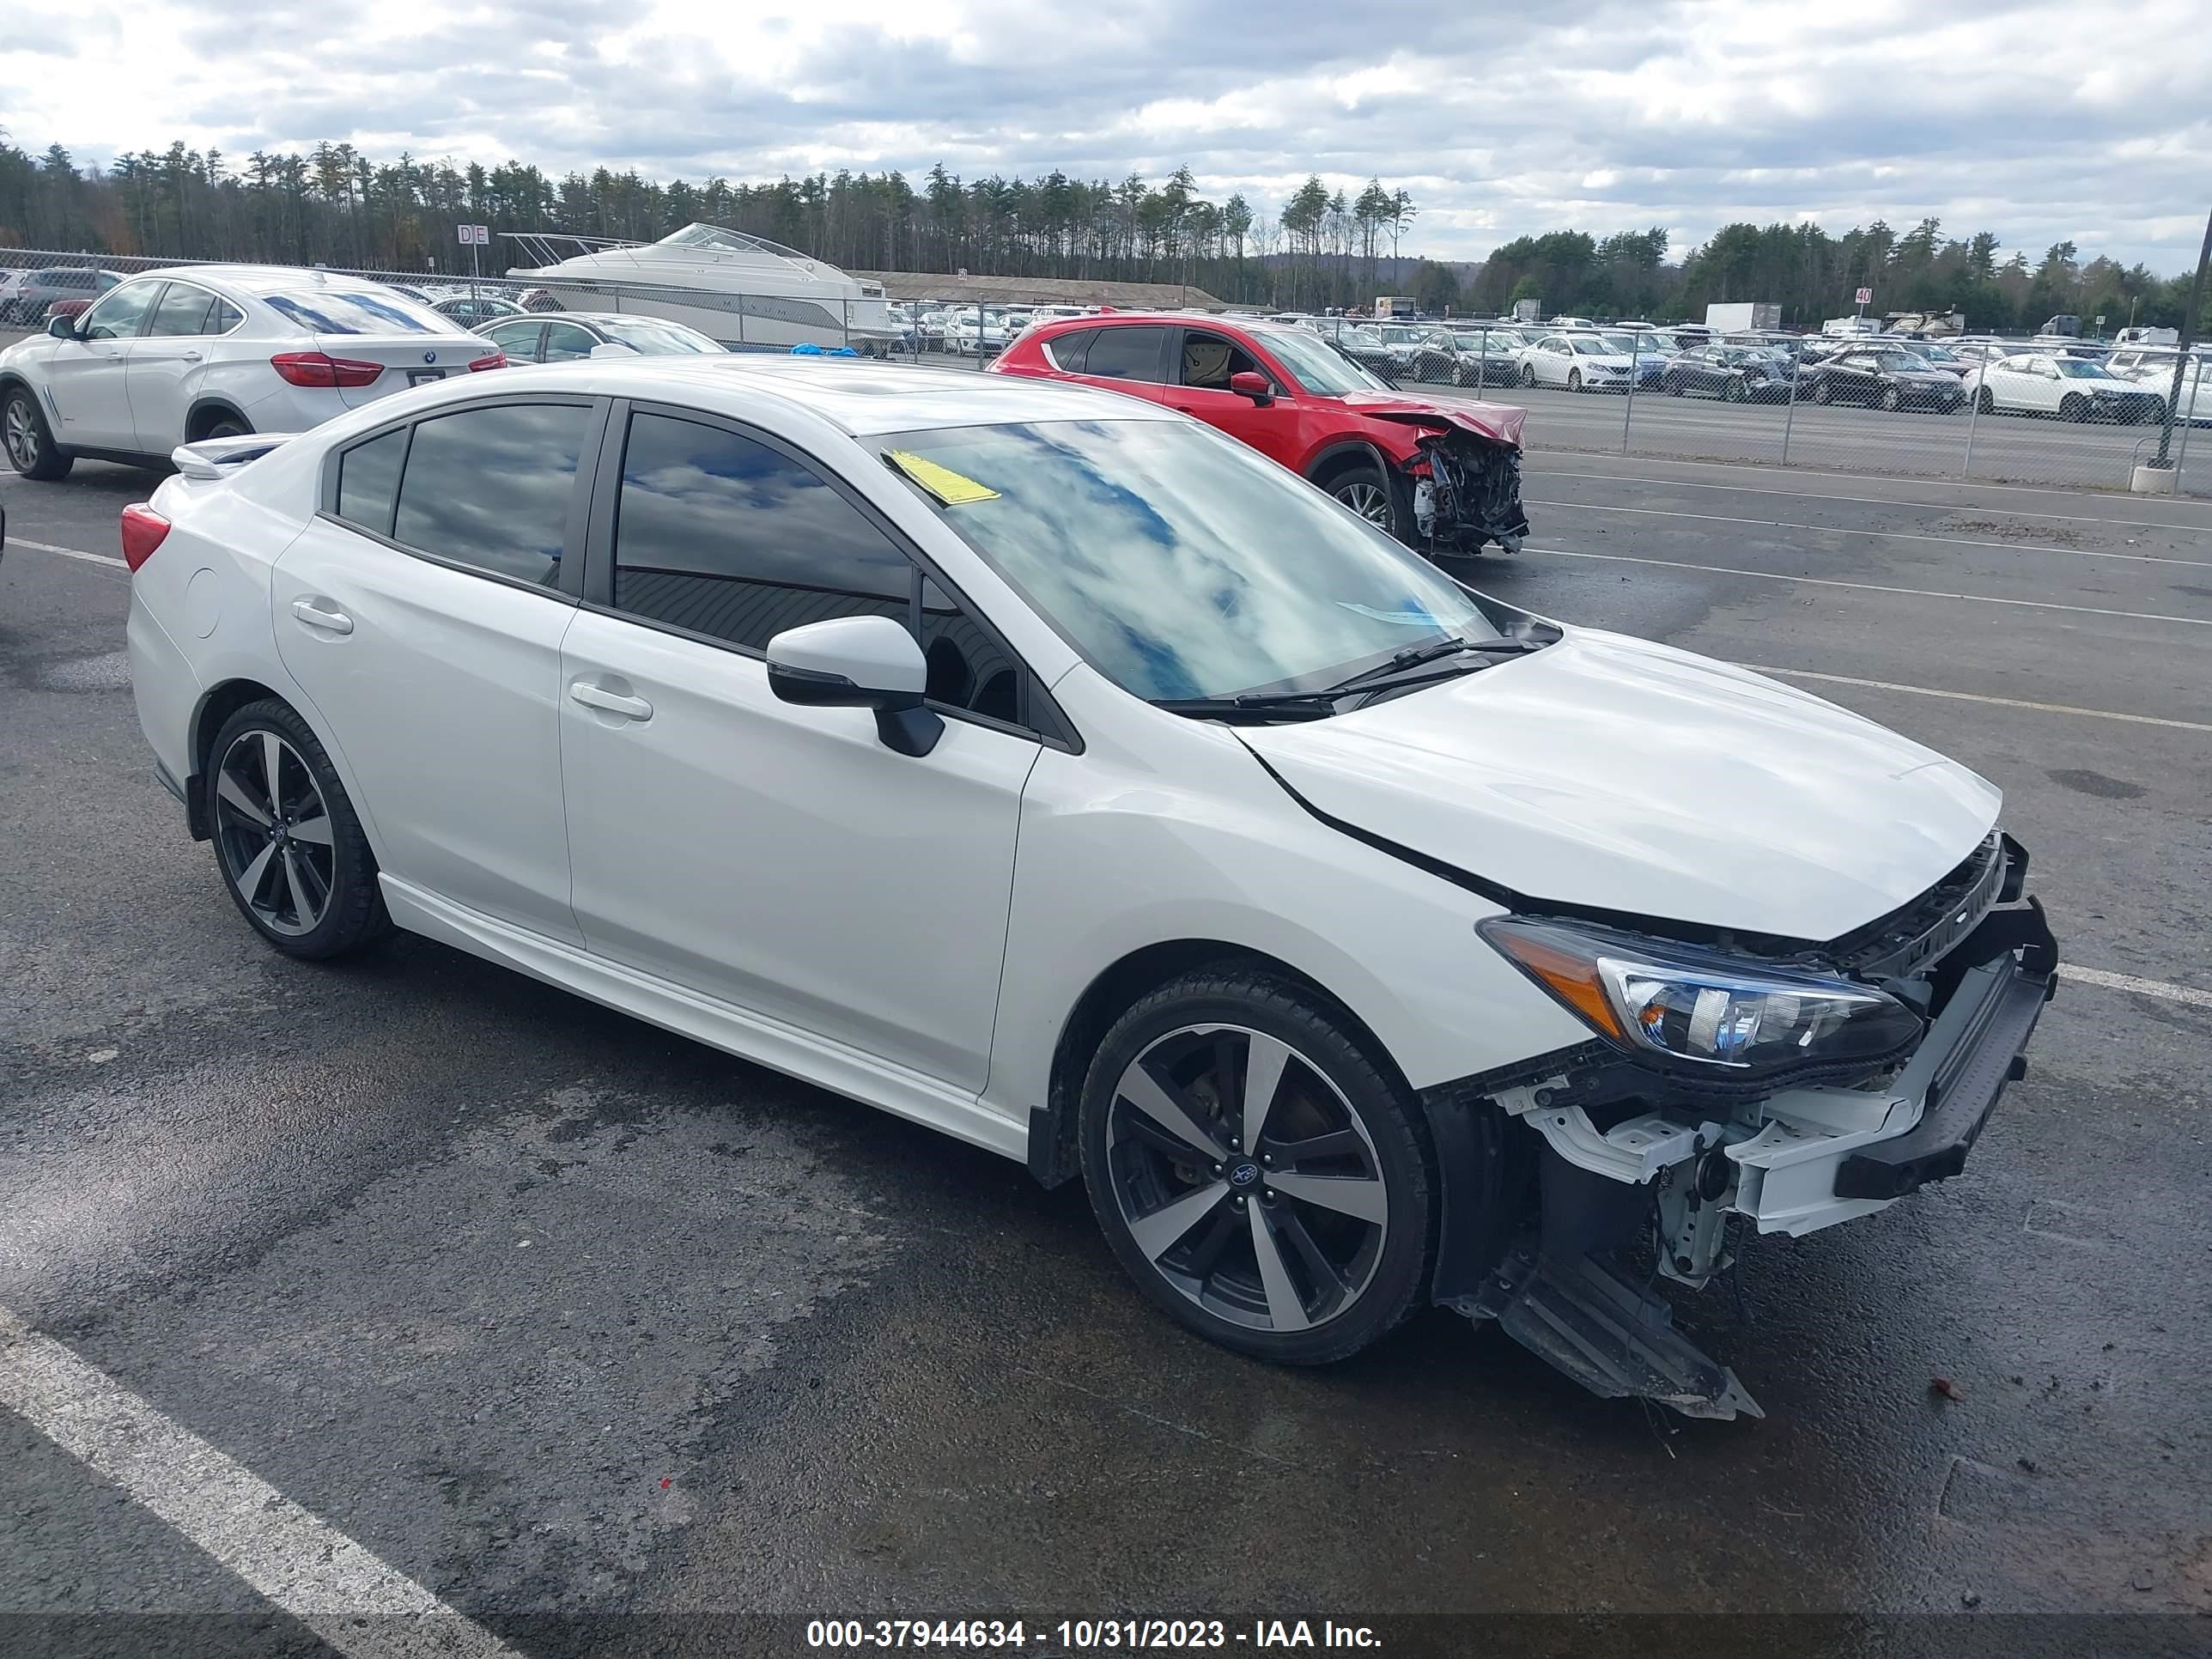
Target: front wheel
x,y
1574,380
1256,1169
1892,399
1368,491
29,442
1528,375
1738,393
287,840
1985,401
1822,394
2073,407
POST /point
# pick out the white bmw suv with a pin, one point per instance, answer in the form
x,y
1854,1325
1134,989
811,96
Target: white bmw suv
x,y
1045,767
208,351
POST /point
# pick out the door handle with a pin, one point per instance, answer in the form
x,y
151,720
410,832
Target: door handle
x,y
333,621
610,702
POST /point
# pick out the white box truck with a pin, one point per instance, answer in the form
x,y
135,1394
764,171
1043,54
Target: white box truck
x,y
1749,317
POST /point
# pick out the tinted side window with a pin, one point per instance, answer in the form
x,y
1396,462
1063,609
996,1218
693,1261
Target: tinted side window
x,y
368,481
491,487
723,536
183,310
565,341
1126,354
517,340
1068,350
223,316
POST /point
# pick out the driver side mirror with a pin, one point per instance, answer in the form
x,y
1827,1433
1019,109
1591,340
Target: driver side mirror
x,y
614,349
859,662
62,327
1250,383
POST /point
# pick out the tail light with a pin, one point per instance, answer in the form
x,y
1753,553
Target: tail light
x,y
315,369
142,532
497,360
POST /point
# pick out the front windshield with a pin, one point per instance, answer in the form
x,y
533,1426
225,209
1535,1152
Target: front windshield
x,y
1593,348
2075,369
1316,367
655,339
1181,563
1897,361
1630,346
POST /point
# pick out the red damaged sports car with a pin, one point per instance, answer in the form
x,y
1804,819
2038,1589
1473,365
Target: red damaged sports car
x,y
1442,475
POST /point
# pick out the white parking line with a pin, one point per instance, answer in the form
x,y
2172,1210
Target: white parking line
x,y
65,552
1886,535
2146,987
1873,587
303,1565
1976,696
1869,500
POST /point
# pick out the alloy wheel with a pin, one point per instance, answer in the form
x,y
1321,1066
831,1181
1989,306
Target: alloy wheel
x,y
20,427
1246,1178
1368,498
273,828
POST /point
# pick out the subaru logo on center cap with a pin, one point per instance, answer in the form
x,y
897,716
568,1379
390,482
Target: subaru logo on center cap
x,y
429,356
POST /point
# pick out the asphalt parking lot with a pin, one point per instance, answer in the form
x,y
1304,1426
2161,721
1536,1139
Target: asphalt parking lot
x,y
563,1318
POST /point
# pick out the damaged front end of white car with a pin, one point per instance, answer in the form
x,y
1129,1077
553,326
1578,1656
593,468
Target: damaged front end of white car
x,y
1793,1085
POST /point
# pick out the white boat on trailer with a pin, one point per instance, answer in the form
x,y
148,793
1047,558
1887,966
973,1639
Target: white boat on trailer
x,y
744,291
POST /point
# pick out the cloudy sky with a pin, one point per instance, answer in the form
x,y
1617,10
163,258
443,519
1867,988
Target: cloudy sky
x,y
2091,121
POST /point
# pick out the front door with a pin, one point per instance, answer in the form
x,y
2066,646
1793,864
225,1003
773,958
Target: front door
x,y
1204,361
170,359
422,614
86,376
773,857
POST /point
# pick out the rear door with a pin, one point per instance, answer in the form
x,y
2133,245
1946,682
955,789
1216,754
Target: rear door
x,y
87,378
410,343
421,611
169,358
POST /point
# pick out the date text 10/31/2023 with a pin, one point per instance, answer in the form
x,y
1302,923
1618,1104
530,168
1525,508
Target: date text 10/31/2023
x,y
1087,1635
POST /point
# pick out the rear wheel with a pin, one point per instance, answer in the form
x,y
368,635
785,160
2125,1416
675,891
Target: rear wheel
x,y
286,839
226,426
1256,1169
29,441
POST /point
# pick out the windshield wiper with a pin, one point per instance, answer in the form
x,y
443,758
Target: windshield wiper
x,y
1435,651
1280,705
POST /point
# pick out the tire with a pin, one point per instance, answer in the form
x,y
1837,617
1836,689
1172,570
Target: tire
x,y
1822,393
226,426
1892,399
29,441
1375,496
1528,375
2073,407
1986,400
312,896
1736,392
1203,1264
1574,380
1673,386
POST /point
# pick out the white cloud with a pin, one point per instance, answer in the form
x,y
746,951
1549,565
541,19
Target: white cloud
x,y
1500,118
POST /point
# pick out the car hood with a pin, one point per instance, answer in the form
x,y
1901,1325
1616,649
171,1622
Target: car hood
x,y
1499,423
1614,774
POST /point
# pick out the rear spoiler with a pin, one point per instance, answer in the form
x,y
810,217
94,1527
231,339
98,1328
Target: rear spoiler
x,y
218,457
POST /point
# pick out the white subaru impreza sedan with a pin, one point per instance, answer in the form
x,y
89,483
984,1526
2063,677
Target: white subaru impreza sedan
x,y
1043,766
207,351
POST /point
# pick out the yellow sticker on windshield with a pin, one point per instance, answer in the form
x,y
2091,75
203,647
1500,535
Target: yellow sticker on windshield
x,y
942,481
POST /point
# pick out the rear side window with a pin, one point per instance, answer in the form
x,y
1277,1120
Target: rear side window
x,y
1127,353
1067,350
183,310
726,537
491,488
368,481
223,316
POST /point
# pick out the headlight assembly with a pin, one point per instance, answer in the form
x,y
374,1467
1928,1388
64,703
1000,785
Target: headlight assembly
x,y
1704,1008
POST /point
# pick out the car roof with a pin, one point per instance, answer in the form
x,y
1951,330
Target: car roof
x,y
861,399
262,280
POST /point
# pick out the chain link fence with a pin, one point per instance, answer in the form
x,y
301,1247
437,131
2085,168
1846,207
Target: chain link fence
x,y
2056,413
2053,412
